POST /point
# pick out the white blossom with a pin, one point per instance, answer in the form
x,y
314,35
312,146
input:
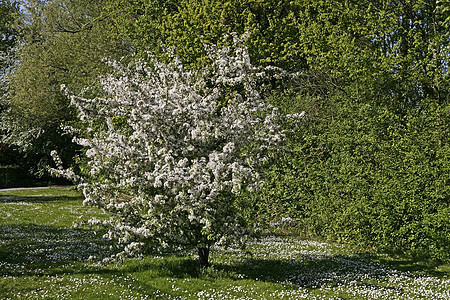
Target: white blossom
x,y
166,159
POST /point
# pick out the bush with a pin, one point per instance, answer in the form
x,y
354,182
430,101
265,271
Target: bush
x,y
369,178
8,176
13,176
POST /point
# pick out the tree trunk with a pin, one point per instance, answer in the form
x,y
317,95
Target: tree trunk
x,y
203,255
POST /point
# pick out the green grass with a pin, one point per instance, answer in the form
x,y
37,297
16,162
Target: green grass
x,y
43,257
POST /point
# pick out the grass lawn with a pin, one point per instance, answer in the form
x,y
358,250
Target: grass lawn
x,y
43,257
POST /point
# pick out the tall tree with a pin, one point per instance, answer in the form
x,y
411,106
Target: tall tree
x,y
8,36
189,24
62,42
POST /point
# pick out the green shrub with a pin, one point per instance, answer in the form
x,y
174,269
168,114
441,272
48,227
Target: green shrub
x,y
369,178
11,176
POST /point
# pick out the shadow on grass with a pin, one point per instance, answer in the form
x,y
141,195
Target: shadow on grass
x,y
406,264
167,266
315,271
33,250
312,272
36,250
309,271
37,199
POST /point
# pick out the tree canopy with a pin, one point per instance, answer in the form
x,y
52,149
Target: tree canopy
x,y
61,42
8,33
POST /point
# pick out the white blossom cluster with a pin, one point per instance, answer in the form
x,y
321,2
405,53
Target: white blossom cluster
x,y
170,147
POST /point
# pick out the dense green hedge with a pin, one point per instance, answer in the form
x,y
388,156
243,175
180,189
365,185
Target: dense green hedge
x,y
12,176
21,169
368,178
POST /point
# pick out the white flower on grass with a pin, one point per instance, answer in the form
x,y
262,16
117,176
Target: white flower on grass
x,y
166,160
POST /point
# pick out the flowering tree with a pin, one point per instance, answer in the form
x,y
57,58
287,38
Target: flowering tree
x,y
169,148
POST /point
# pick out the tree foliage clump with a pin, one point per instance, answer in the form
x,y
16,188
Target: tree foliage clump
x,y
166,160
371,179
8,39
188,25
8,33
369,166
59,42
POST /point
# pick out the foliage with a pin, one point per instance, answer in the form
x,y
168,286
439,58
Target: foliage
x,y
369,166
8,34
188,25
169,173
8,38
368,178
60,42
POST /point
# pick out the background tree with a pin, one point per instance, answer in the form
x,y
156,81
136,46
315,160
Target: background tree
x,y
188,25
8,36
369,162
60,42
